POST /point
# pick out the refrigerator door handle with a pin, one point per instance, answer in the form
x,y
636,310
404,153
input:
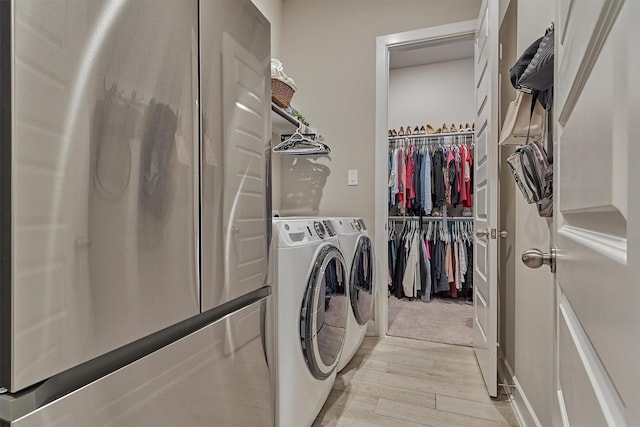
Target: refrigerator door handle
x,y
263,329
197,184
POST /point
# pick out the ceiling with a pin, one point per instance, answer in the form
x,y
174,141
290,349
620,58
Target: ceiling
x,y
413,55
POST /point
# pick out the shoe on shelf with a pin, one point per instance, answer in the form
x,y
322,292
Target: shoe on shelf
x,y
408,131
393,132
401,131
430,130
416,130
390,133
467,127
445,129
422,130
453,128
473,126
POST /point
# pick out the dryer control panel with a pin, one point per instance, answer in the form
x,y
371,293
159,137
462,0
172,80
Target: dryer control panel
x,y
346,226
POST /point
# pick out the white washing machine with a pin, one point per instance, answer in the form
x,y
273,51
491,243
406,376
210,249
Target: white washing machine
x,y
358,250
310,315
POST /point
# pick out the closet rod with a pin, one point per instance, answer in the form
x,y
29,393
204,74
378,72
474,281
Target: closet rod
x,y
424,141
432,135
279,111
429,218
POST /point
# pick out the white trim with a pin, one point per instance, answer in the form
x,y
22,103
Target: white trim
x,y
568,98
505,374
603,388
522,408
562,408
383,44
610,246
440,32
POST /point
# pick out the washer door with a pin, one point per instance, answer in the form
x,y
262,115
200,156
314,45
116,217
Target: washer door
x,y
323,315
361,280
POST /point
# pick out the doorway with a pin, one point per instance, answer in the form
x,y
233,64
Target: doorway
x,y
424,77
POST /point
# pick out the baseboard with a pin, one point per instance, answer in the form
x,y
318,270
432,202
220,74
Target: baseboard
x,y
505,375
522,408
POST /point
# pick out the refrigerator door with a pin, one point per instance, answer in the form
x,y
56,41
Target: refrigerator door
x,y
219,376
235,68
104,207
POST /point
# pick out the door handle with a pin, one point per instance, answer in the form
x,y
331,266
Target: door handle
x,y
504,234
535,258
482,233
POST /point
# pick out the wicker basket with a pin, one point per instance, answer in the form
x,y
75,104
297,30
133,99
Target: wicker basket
x,y
281,93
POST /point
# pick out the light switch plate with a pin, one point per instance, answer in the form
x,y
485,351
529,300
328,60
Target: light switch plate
x,y
353,177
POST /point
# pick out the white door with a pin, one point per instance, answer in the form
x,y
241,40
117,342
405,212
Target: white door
x,y
596,226
485,281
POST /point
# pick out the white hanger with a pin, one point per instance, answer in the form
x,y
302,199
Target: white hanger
x,y
430,231
302,143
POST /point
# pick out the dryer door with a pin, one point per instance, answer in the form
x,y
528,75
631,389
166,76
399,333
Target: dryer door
x,y
361,280
323,315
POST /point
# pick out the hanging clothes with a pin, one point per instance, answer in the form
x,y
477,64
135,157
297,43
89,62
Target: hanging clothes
x,y
424,178
409,277
426,200
468,177
402,180
425,269
431,262
437,178
411,168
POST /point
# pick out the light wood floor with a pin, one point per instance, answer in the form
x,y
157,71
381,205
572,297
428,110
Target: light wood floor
x,y
403,382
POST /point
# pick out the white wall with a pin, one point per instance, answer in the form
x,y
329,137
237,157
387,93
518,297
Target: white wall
x,y
507,186
272,10
433,93
534,309
328,47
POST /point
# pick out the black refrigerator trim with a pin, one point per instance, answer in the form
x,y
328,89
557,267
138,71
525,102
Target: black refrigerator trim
x,y
5,193
14,406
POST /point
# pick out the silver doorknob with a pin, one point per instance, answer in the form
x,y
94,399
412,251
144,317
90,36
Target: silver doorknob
x,y
482,233
535,258
504,234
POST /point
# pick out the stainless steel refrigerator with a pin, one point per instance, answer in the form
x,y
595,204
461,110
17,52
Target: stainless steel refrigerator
x,y
134,213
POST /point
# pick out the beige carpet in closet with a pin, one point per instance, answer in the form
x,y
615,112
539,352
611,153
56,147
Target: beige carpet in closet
x,y
447,321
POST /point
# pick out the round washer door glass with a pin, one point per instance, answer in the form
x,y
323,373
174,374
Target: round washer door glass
x,y
361,283
323,315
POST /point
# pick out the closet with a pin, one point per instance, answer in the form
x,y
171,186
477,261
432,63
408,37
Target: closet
x,y
430,192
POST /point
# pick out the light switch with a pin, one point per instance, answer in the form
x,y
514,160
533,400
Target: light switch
x,y
353,177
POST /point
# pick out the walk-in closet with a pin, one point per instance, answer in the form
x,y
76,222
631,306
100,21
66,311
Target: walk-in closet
x,y
430,192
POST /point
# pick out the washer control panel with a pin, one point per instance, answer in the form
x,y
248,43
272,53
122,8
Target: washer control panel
x,y
297,232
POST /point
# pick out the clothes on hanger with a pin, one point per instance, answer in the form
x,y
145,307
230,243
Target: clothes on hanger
x,y
435,261
427,177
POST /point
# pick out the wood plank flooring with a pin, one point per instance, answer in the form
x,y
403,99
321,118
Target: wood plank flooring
x,y
403,382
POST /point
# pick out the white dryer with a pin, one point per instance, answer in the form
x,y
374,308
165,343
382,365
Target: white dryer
x,y
358,249
310,316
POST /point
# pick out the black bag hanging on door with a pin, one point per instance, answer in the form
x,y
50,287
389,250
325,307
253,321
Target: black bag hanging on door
x,y
533,71
522,63
539,73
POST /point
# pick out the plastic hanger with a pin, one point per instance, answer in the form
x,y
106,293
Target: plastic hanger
x,y
302,143
430,231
